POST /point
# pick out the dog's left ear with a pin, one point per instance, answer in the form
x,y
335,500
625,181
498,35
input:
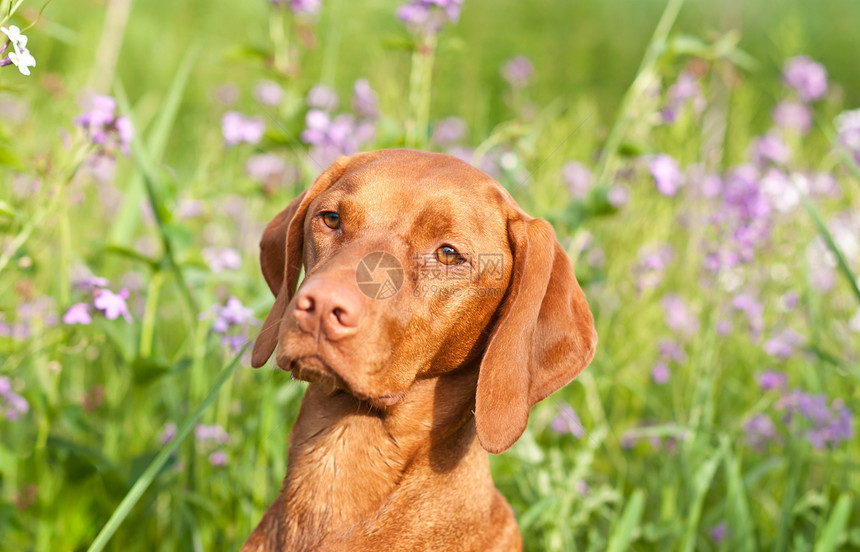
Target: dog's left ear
x,y
281,251
543,339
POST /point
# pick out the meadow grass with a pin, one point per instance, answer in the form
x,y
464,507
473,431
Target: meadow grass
x,y
716,241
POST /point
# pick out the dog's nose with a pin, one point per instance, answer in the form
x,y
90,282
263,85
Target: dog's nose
x,y
327,308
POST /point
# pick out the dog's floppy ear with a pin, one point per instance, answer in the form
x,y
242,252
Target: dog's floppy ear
x,y
543,339
281,253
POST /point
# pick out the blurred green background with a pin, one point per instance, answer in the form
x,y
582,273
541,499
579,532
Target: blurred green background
x,y
101,396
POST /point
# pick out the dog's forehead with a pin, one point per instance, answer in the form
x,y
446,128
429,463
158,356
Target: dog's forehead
x,y
414,182
424,188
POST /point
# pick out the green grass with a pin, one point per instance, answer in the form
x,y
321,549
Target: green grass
x,y
87,459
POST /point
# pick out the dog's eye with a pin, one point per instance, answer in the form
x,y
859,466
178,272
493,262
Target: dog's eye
x,y
332,220
447,255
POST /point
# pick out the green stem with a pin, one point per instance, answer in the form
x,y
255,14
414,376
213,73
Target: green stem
x,y
40,218
110,44
280,40
640,85
831,244
420,84
12,10
149,475
198,375
147,331
65,250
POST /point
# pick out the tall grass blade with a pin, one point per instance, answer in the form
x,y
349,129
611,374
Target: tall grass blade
x,y
156,144
737,503
151,472
831,244
702,482
644,78
836,526
150,179
629,522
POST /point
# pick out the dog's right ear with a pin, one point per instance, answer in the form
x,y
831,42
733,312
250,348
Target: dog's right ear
x,y
281,251
273,246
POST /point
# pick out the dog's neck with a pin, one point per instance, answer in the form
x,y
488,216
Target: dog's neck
x,y
347,461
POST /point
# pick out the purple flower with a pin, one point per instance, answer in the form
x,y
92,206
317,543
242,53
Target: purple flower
x,y
238,128
577,177
231,314
87,282
742,194
792,115
234,342
753,309
671,351
759,430
332,138
220,259
667,174
227,93
300,7
711,185
772,380
567,421
12,405
448,132
269,93
78,314
427,17
462,153
769,149
104,128
322,97
660,373
618,196
39,309
187,208
218,458
211,433
807,77
809,416
784,343
790,300
112,304
518,71
848,128
824,184
653,260
364,100
685,90
718,533
168,433
582,487
679,319
270,169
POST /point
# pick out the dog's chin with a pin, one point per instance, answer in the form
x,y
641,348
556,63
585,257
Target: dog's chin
x,y
314,369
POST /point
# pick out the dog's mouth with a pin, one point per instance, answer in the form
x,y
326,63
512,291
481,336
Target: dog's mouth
x,y
314,369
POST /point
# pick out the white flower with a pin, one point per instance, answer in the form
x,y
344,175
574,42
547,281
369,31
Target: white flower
x,y
21,57
23,61
19,41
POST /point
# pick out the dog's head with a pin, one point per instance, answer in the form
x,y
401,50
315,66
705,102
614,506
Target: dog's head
x,y
417,264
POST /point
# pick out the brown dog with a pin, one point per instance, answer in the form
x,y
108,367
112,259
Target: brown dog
x,y
433,315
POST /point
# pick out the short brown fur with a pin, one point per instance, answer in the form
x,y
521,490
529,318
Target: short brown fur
x,y
408,393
